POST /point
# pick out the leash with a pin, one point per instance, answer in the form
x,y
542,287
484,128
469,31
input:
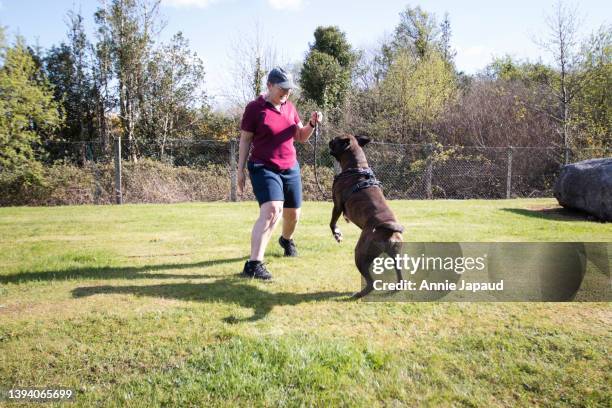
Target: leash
x,y
316,137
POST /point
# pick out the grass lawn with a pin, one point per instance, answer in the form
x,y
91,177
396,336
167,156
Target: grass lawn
x,y
141,305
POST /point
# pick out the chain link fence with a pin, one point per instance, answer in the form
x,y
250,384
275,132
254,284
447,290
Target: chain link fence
x,y
427,171
205,170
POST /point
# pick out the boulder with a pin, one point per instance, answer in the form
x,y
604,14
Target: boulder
x,y
587,186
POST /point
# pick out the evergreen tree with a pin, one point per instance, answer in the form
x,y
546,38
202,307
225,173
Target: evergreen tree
x,y
27,110
325,77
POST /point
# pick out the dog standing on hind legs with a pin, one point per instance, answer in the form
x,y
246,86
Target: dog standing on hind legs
x,y
358,195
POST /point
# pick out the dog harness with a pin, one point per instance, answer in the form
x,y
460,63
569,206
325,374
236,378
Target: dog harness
x,y
366,172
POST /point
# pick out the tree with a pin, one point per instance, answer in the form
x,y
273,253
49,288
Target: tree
x,y
419,32
371,66
258,75
131,25
68,70
415,92
531,74
27,109
215,125
416,32
561,43
325,77
496,112
445,36
504,68
176,76
323,80
102,76
593,104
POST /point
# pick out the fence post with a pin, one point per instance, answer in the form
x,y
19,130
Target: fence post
x,y
118,193
429,171
233,175
509,174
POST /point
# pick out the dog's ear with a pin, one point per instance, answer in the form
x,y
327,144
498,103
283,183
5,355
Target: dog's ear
x,y
362,140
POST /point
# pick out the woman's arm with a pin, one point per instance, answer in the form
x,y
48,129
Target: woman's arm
x,y
243,152
303,132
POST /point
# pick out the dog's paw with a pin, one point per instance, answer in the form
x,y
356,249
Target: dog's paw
x,y
338,235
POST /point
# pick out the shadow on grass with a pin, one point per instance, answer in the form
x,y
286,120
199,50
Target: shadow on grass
x,y
113,272
227,290
555,214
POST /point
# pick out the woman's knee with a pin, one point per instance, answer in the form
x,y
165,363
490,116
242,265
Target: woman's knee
x,y
271,211
291,215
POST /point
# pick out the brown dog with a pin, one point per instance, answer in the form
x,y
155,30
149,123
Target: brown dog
x,y
358,195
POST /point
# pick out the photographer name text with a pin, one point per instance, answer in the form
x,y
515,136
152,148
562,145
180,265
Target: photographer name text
x,y
424,285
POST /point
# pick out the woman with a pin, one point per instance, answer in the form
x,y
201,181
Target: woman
x,y
270,124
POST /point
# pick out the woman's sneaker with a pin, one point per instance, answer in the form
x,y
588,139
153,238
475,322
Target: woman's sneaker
x,y
256,270
288,245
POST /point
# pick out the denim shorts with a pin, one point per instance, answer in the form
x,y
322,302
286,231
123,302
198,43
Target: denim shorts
x,y
276,185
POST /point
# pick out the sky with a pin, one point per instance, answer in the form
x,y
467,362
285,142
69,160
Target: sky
x,y
481,29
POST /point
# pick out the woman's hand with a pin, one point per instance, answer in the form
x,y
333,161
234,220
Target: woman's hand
x,y
316,117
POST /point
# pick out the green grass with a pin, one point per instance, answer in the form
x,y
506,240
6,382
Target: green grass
x,y
141,305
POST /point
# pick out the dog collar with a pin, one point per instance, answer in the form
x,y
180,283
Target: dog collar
x,y
351,171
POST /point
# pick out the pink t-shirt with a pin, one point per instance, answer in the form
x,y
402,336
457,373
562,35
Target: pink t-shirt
x,y
273,133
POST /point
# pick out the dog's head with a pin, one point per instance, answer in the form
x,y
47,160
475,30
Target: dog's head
x,y
347,145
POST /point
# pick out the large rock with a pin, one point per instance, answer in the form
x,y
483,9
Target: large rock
x,y
587,186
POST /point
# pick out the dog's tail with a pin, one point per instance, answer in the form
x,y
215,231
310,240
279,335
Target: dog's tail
x,y
390,226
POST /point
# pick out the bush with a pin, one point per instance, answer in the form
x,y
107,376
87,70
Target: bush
x,y
147,181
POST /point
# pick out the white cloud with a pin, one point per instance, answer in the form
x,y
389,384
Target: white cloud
x,y
188,3
473,58
286,4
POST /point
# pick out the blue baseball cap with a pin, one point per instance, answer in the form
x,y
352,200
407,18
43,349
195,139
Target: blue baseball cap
x,y
282,78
